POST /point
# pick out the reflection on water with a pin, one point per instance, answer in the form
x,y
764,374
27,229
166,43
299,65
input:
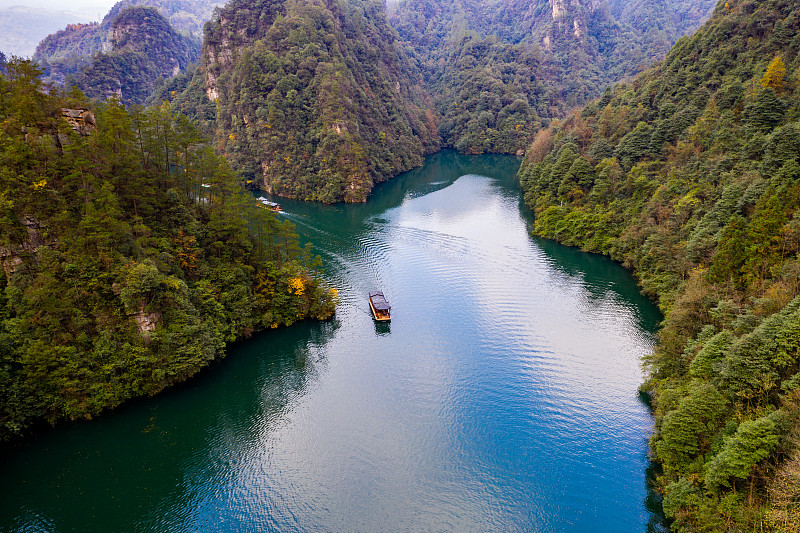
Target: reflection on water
x,y
501,397
382,328
146,466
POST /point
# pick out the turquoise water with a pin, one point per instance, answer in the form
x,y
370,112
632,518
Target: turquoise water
x,y
501,397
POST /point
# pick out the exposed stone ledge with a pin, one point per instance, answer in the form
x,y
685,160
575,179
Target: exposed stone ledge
x,y
11,257
81,120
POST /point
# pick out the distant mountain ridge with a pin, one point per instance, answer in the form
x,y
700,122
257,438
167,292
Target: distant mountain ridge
x,y
144,50
65,52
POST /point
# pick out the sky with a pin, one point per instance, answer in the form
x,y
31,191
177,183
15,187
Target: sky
x,y
23,23
95,9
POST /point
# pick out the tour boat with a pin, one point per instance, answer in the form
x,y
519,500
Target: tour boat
x,y
381,309
269,205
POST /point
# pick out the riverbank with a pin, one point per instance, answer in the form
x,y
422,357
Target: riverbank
x,y
503,395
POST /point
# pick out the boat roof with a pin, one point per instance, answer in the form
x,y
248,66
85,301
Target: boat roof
x,y
379,301
267,202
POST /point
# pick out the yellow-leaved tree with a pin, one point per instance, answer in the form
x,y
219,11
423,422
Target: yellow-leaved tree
x,y
775,76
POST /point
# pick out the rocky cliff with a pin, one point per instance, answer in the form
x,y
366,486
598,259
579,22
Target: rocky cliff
x,y
315,100
63,54
144,50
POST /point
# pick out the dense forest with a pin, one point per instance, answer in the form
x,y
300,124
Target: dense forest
x,y
314,100
145,50
130,254
491,96
495,68
690,175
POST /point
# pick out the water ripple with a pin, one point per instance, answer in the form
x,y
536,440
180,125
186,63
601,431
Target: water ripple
x,y
501,397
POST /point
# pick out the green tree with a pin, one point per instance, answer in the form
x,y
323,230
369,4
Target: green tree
x,y
634,145
687,432
764,111
731,254
753,442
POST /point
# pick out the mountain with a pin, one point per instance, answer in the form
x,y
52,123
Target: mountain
x,y
65,52
145,49
690,175
314,99
130,255
186,16
321,100
21,28
571,49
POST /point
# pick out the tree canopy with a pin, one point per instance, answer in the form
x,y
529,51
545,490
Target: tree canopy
x,y
131,254
690,175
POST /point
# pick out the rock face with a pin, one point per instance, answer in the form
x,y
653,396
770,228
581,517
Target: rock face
x,y
571,15
144,48
11,257
314,99
562,7
81,120
146,322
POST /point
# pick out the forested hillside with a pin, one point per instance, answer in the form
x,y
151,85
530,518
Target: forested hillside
x,y
65,52
314,100
130,254
484,60
318,100
690,175
491,95
145,50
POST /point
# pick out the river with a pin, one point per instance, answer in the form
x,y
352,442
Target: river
x,y
501,397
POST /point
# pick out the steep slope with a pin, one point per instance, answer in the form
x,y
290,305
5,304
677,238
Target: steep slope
x,y
314,100
186,16
144,50
491,96
691,176
573,48
64,53
129,255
